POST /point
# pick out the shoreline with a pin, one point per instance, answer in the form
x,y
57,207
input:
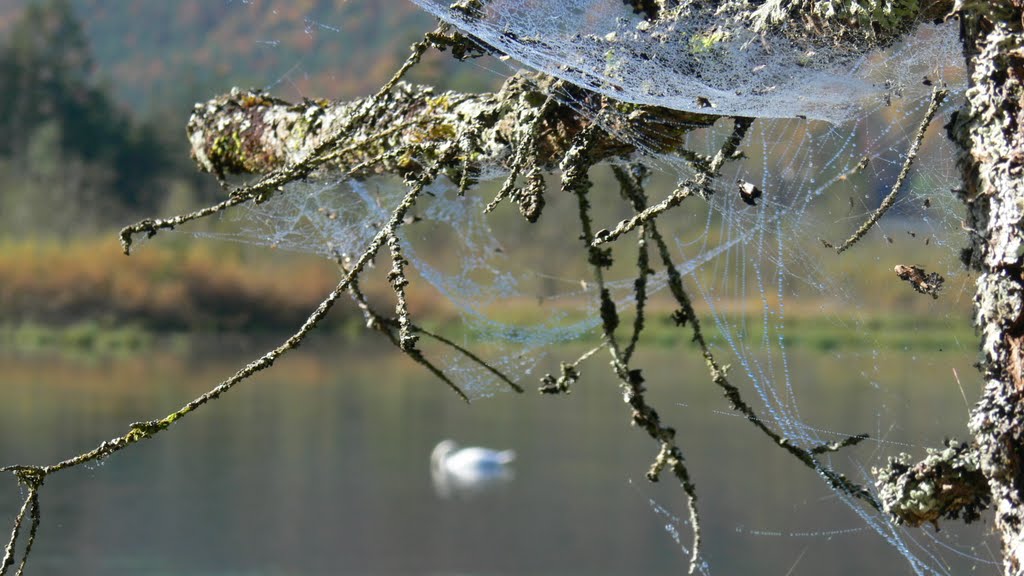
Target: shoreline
x,y
825,333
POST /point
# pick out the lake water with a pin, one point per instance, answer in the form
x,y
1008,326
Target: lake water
x,y
321,466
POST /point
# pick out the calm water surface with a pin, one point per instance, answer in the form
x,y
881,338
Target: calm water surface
x,y
321,466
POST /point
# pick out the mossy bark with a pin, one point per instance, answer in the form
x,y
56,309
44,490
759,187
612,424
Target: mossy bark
x,y
988,128
247,132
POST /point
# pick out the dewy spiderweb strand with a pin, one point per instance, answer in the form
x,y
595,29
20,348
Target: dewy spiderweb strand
x,y
840,133
735,252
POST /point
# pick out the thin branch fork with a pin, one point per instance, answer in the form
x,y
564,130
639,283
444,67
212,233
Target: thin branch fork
x,y
391,328
938,95
699,184
632,189
33,476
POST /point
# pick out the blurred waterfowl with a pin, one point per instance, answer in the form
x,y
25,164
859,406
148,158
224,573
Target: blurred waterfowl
x,y
467,471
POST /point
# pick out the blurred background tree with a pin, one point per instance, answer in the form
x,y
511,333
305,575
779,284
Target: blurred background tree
x,y
71,160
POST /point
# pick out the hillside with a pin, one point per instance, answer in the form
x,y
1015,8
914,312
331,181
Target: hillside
x,y
160,57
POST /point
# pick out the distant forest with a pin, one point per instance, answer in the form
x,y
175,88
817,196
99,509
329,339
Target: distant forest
x,y
97,93
95,98
94,101
156,53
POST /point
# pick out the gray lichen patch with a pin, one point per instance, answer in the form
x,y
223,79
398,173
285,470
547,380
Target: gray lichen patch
x,y
250,132
988,129
858,22
947,484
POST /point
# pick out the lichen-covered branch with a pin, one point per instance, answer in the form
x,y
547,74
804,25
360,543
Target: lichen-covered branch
x,y
938,95
575,180
947,484
247,132
878,22
28,508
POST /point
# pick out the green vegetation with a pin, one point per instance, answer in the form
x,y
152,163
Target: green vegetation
x,y
75,166
70,159
88,337
86,295
200,287
804,329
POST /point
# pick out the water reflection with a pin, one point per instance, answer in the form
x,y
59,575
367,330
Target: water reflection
x,y
467,472
318,467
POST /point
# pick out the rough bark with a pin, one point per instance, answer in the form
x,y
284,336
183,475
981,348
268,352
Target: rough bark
x,y
247,132
988,128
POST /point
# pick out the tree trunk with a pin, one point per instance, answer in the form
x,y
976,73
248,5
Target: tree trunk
x,y
988,130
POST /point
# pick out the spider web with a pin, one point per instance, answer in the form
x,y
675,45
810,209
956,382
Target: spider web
x,y
833,131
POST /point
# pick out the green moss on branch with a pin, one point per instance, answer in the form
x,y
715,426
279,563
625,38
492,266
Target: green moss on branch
x,y
247,132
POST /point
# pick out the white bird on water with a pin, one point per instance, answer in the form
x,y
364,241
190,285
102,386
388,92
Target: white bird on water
x,y
468,471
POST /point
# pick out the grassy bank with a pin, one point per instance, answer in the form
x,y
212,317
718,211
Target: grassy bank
x,y
821,333
804,328
86,295
196,286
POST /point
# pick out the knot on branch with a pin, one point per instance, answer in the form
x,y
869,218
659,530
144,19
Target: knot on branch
x,y
463,47
948,483
531,198
561,385
148,226
680,317
600,257
669,456
148,428
609,315
30,476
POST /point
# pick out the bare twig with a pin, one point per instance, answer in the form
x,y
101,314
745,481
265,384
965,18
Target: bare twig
x,y
33,476
33,496
938,95
699,184
30,477
273,181
389,326
471,356
9,552
575,179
